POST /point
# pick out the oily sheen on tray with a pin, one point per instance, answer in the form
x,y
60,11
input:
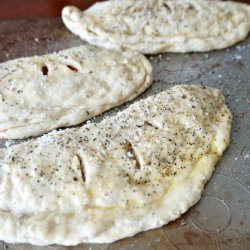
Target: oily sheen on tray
x,y
132,172
157,26
42,93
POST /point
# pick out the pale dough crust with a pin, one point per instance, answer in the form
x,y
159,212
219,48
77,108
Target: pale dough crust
x,y
42,93
157,26
105,181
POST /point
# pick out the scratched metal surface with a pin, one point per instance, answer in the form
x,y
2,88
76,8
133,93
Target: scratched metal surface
x,y
221,220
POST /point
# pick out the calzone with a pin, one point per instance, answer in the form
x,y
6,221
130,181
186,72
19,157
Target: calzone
x,y
134,171
42,93
157,26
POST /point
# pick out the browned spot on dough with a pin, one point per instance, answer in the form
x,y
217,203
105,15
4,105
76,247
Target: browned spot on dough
x,y
82,168
130,149
167,7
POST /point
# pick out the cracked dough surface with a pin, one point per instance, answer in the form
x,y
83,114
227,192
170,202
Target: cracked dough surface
x,y
156,26
42,93
135,171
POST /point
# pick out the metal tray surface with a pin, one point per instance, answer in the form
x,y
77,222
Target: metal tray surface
x,y
221,220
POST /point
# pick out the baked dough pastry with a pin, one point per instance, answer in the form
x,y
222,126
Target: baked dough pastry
x,y
105,181
42,93
157,26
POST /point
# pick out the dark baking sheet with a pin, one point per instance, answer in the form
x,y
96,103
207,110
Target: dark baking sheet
x,y
221,220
